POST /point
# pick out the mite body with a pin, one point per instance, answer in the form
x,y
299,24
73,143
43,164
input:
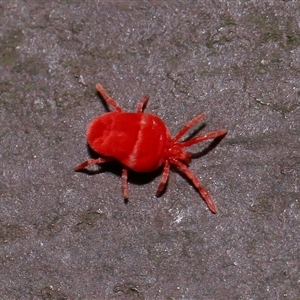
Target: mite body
x,y
137,140
142,142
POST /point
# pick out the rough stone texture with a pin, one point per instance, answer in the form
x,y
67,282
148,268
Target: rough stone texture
x,y
67,235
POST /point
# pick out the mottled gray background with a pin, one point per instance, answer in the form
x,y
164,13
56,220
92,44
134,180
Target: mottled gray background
x,y
67,235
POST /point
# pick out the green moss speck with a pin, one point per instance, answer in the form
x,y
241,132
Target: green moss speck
x,y
8,45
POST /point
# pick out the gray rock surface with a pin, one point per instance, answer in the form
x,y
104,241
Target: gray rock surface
x,y
67,235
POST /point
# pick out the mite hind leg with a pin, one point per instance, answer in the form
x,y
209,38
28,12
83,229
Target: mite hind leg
x,y
164,179
142,104
125,182
88,162
107,98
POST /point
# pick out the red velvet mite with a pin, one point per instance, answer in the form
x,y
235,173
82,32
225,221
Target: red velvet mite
x,y
142,142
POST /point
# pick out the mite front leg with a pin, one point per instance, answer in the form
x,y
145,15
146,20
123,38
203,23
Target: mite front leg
x,y
204,137
188,126
197,183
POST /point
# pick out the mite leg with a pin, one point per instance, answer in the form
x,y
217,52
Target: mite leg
x,y
204,137
125,182
88,162
142,104
107,98
187,126
164,178
197,183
